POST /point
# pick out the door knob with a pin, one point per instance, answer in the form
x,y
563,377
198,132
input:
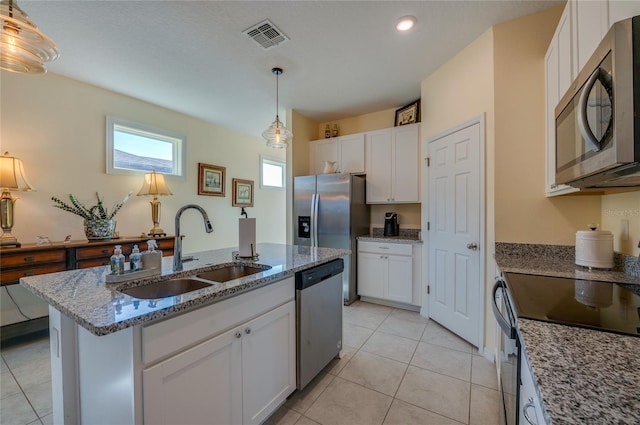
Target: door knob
x,y
472,246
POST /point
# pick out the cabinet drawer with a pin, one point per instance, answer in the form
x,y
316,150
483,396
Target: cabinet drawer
x,y
12,276
385,248
32,257
101,251
93,262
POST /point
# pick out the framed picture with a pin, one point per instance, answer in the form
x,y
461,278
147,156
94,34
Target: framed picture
x,y
211,180
242,193
409,114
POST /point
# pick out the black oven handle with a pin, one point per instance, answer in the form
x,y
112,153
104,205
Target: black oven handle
x,y
583,124
509,330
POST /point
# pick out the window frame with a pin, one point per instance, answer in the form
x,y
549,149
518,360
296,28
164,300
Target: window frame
x,y
179,142
277,162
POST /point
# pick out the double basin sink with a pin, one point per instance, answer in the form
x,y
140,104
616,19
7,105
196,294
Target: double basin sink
x,y
173,287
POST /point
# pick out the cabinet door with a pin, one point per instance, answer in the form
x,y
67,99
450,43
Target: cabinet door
x,y
566,61
351,154
405,157
378,169
200,385
268,363
372,272
400,278
592,22
321,151
622,9
529,402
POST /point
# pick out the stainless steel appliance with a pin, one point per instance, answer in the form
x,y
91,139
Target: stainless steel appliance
x,y
391,225
509,355
318,319
598,119
330,211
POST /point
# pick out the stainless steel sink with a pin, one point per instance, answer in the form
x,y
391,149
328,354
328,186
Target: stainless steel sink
x,y
231,272
166,288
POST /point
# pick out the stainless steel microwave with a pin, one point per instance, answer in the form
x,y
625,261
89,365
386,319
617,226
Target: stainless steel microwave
x,y
598,119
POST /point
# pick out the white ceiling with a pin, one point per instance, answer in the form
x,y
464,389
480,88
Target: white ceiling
x,y
344,58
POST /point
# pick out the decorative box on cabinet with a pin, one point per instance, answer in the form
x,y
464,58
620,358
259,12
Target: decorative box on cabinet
x,y
392,165
389,271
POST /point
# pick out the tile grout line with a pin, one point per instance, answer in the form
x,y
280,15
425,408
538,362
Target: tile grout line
x,y
21,389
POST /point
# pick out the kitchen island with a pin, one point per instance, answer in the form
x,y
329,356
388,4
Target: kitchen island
x,y
581,376
225,352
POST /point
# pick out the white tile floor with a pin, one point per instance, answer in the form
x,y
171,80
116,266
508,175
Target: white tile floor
x,y
397,368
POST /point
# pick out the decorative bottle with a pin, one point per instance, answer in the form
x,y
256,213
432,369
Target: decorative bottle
x,y
327,132
334,132
135,259
117,261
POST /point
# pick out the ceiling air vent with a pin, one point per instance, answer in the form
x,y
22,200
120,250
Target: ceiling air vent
x,y
266,34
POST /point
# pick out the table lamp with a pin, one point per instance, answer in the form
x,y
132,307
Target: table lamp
x,y
154,185
12,178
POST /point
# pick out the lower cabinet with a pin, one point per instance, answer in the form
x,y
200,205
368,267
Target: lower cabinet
x,y
389,271
530,406
240,376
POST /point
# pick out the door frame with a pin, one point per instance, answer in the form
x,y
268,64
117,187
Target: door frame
x,y
424,310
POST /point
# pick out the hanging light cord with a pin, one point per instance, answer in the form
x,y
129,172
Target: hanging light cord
x,y
277,98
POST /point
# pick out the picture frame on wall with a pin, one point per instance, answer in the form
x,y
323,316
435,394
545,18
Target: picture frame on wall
x,y
242,193
211,180
409,114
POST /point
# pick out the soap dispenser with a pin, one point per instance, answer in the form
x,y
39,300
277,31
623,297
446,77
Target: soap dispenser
x,y
117,261
135,259
151,259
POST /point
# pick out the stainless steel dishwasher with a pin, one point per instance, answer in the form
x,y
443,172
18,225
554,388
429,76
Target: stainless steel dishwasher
x,y
318,319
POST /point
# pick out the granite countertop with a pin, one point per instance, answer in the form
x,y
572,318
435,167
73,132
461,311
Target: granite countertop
x,y
100,308
406,236
582,376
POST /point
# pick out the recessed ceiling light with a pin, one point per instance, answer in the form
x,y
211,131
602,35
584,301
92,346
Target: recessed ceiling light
x,y
406,23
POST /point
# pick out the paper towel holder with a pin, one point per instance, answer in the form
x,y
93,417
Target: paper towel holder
x,y
243,212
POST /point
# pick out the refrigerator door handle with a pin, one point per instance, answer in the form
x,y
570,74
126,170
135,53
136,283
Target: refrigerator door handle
x,y
313,220
314,226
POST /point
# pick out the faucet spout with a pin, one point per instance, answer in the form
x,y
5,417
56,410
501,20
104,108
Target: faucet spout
x,y
177,245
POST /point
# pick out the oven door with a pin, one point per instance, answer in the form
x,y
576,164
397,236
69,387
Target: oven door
x,y
508,356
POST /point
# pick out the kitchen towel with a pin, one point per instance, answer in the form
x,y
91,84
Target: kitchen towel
x,y
247,231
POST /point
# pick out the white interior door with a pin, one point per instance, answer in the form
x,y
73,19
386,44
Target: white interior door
x,y
454,188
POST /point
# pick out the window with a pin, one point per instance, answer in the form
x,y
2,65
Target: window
x,y
133,148
272,172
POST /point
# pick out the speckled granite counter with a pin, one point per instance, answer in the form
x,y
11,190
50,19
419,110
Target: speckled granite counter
x,y
97,306
406,236
582,376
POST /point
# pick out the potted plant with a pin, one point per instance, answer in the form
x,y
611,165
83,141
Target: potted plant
x,y
98,221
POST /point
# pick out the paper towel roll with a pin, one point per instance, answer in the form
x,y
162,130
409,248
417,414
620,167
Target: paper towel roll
x,y
594,249
247,232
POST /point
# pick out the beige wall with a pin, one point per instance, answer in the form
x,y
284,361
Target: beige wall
x,y
522,212
357,124
615,209
57,127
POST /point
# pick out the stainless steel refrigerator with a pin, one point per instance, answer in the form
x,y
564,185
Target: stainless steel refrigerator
x,y
329,210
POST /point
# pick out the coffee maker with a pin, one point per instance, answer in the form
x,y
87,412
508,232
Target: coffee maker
x,y
391,225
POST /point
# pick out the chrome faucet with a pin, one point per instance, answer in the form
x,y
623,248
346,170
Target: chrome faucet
x,y
177,246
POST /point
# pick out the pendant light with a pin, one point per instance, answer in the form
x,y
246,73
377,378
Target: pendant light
x,y
277,135
23,48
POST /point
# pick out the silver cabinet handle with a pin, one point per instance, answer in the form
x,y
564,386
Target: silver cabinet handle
x,y
472,246
247,331
525,411
238,334
383,247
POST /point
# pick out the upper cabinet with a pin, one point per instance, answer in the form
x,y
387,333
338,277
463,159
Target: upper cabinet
x,y
582,26
346,151
392,165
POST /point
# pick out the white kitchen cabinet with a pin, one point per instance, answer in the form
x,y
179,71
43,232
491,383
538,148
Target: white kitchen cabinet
x,y
321,151
622,9
346,151
392,165
224,380
591,21
530,406
387,271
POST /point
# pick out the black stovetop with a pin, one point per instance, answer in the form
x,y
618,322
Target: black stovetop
x,y
592,304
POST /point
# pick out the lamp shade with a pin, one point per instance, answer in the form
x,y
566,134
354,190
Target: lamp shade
x,y
154,185
277,135
12,175
23,48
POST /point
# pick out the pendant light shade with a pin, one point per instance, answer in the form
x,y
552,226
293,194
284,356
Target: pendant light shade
x,y
23,48
277,135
